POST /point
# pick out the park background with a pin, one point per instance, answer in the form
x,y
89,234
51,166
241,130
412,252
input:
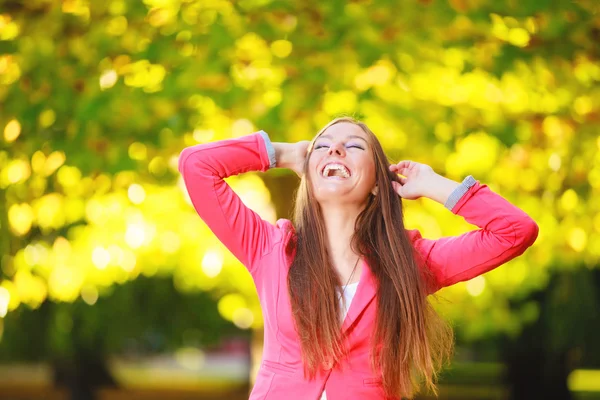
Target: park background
x,y
110,284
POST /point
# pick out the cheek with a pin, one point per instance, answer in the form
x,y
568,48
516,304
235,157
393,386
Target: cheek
x,y
370,181
369,172
312,166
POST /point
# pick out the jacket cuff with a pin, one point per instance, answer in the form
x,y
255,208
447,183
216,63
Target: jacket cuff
x,y
459,192
270,149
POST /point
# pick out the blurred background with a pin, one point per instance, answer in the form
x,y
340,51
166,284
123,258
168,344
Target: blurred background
x,y
111,287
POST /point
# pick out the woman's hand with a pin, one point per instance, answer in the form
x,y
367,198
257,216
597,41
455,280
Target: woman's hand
x,y
420,180
291,155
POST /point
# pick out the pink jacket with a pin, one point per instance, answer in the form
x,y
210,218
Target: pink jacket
x,y
505,233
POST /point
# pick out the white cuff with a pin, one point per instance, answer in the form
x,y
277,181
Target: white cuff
x,y
459,192
270,149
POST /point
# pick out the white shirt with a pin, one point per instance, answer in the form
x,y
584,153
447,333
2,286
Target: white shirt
x,y
349,293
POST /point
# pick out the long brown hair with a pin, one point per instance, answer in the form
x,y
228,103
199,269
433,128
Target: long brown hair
x,y
411,342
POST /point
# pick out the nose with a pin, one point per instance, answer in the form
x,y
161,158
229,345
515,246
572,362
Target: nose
x,y
337,148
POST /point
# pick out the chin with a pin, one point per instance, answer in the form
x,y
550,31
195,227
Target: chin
x,y
339,195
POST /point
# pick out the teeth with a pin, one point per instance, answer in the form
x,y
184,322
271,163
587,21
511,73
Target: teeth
x,y
339,167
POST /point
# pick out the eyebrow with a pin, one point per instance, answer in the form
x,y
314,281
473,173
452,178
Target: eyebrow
x,y
327,136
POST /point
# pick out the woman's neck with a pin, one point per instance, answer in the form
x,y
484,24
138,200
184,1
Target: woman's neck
x,y
339,225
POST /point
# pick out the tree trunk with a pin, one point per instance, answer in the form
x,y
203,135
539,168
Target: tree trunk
x,y
563,338
283,188
533,373
83,376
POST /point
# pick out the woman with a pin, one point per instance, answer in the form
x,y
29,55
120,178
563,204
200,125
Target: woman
x,y
344,288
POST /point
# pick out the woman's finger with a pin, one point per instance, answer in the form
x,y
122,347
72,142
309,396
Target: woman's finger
x,y
404,164
403,167
404,171
397,165
397,187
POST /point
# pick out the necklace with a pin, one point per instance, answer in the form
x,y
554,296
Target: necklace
x,y
348,281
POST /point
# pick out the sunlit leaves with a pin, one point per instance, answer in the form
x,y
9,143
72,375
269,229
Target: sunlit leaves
x,y
14,172
251,47
9,29
20,217
233,307
64,283
77,7
136,193
476,286
379,74
12,130
9,70
53,162
4,300
140,230
577,239
143,74
108,79
586,70
281,48
68,176
339,102
47,118
138,151
253,67
117,26
512,31
475,154
48,211
31,289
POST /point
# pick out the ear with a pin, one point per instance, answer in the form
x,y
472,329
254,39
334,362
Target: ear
x,y
375,190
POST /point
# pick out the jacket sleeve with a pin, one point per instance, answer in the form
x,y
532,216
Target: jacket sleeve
x,y
504,233
203,167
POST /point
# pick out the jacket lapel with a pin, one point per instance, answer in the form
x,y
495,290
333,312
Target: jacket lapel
x,y
365,292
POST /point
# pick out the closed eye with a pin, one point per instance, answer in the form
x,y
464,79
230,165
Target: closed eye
x,y
357,146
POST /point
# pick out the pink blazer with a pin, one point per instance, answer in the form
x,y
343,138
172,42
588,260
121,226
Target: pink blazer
x,y
506,232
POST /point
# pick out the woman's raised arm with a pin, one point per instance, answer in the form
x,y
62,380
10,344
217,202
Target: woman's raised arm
x,y
505,233
204,166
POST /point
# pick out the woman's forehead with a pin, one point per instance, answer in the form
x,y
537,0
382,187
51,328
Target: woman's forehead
x,y
344,131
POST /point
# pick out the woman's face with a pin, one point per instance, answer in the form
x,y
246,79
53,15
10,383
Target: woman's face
x,y
341,165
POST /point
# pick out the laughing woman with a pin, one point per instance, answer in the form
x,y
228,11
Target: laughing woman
x,y
344,287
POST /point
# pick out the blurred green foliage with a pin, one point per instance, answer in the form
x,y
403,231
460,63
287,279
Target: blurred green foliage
x,y
97,99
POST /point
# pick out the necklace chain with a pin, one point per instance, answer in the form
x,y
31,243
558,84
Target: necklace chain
x,y
351,275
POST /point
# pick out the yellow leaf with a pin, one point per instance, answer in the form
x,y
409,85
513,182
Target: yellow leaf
x,y
12,130
281,48
20,218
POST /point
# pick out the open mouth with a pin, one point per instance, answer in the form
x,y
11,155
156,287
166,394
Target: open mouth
x,y
335,170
